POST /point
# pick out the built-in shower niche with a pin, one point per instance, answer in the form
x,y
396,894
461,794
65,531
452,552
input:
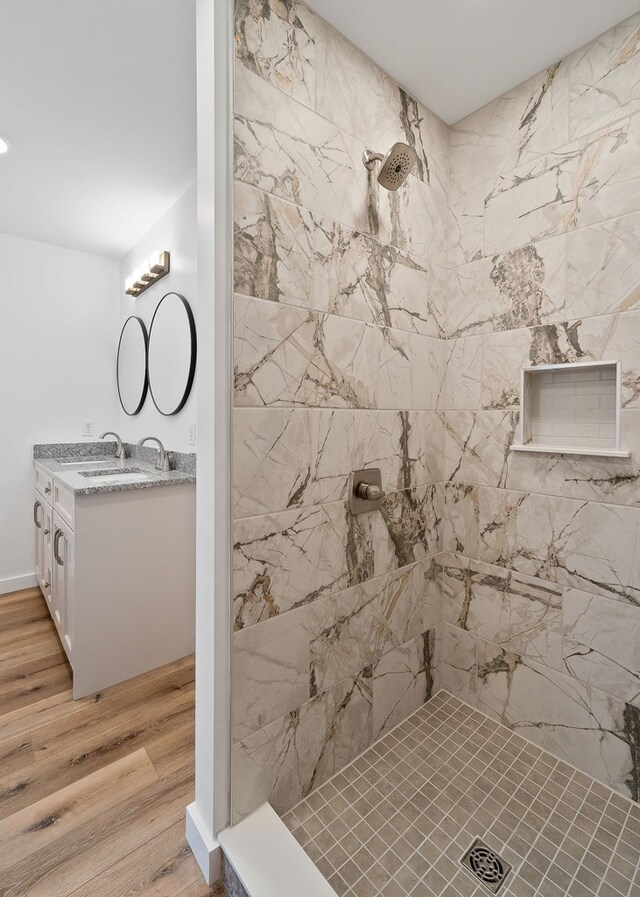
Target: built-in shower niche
x,y
571,409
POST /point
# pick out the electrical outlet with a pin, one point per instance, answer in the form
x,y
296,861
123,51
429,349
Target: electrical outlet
x,y
88,428
192,434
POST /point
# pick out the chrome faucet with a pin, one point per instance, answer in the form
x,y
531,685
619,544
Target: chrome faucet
x,y
163,458
119,445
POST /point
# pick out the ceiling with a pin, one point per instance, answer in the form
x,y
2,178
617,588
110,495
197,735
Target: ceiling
x,y
456,55
97,102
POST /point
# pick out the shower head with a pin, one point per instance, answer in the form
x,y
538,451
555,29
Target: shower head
x,y
395,167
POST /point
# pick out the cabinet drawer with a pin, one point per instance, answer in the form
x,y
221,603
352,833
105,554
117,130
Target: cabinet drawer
x,y
44,483
63,503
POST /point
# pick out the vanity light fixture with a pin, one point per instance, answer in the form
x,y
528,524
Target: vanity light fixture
x,y
157,265
4,146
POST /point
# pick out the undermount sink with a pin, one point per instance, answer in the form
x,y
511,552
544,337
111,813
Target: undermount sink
x,y
125,473
77,462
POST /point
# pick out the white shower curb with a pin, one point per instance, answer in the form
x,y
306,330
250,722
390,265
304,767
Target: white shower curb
x,y
268,860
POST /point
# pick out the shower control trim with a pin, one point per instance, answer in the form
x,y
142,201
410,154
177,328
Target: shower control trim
x,y
365,490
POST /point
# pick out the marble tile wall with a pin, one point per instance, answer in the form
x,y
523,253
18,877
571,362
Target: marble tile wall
x,y
340,362
540,577
389,330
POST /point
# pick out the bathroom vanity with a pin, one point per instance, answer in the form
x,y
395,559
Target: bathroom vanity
x,y
115,552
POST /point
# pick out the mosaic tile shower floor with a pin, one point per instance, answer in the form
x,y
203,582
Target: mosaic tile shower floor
x,y
397,820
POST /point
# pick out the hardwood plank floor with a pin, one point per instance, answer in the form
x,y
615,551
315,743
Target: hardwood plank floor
x,y
92,792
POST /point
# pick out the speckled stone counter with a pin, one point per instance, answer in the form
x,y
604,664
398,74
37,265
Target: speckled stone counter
x,y
81,467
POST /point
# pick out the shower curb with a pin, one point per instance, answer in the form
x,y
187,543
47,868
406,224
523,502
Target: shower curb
x,y
263,859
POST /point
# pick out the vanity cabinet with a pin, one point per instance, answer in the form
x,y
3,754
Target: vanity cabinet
x,y
117,569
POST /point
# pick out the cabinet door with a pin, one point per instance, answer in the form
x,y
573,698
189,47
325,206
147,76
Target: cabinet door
x,y
47,554
62,584
38,521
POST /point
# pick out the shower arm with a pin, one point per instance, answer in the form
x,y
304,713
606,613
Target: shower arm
x,y
369,159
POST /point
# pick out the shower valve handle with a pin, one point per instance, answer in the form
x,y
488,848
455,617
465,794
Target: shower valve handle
x,y
369,491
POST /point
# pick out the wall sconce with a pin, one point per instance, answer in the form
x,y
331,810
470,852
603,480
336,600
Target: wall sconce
x,y
153,270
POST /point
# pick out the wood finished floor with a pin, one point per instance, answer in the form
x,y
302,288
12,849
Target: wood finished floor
x,y
92,792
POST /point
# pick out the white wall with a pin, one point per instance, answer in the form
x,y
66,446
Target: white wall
x,y
176,231
57,355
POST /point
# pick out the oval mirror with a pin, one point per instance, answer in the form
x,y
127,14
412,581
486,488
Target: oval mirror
x,y
172,353
131,365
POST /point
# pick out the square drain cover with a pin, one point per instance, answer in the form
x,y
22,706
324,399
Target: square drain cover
x,y
486,866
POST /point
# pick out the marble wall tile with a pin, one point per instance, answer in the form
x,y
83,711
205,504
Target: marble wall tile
x,y
403,680
357,95
577,723
345,289
518,288
477,446
270,671
601,645
414,217
408,527
504,354
290,356
279,43
519,613
529,285
288,458
604,78
284,355
291,756
517,126
355,628
614,480
296,154
478,452
453,570
607,337
432,598
469,300
461,519
302,157
274,452
584,183
586,545
603,270
540,470
463,375
289,559
466,223
286,253
457,663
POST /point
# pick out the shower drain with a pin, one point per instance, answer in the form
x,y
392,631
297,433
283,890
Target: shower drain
x,y
485,865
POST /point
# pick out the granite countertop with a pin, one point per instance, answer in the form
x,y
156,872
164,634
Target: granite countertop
x,y
86,464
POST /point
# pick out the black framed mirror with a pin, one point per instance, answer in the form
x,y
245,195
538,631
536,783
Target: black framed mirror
x,y
132,377
172,353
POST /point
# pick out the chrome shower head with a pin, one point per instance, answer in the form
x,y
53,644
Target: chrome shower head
x,y
395,167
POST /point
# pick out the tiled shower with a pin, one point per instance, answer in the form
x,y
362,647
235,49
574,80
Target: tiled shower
x,y
389,330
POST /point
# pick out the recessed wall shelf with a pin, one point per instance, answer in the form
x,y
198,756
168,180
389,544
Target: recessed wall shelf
x,y
571,409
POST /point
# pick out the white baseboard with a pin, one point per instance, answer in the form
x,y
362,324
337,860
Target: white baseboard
x,y
269,861
15,583
204,846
